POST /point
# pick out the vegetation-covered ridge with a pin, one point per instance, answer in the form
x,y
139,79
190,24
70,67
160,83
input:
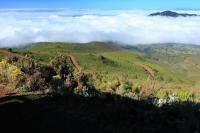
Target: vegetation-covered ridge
x,y
126,70
21,74
99,87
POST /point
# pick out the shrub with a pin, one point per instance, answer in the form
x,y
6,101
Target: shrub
x,y
107,61
57,86
114,84
184,95
84,85
36,82
62,67
163,93
25,87
11,75
47,72
127,86
181,94
136,88
149,89
124,88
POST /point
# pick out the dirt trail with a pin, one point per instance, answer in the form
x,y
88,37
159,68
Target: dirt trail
x,y
149,70
74,62
4,93
7,53
21,57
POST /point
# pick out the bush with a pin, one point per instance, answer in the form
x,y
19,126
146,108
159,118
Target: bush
x,y
11,75
36,82
25,87
47,72
149,89
184,95
127,86
114,84
62,67
181,94
136,88
124,88
84,85
58,86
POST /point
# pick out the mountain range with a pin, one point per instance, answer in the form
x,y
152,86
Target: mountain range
x,y
173,14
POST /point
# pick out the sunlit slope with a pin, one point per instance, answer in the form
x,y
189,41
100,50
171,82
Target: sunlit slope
x,y
108,59
180,57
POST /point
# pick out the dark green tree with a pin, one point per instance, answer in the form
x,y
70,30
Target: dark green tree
x,y
47,72
62,66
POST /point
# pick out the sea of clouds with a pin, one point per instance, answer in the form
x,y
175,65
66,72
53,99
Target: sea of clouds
x,y
20,27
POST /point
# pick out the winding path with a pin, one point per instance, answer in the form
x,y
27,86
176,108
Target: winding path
x,y
7,53
148,69
74,62
21,57
4,52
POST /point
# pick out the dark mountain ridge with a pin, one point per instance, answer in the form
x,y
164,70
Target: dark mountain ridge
x,y
172,14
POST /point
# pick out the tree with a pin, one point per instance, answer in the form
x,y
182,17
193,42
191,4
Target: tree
x,y
62,67
47,72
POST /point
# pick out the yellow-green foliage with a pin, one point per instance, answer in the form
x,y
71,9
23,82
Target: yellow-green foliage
x,y
11,75
181,94
197,95
136,88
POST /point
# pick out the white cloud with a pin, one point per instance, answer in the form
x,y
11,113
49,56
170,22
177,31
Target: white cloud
x,y
131,27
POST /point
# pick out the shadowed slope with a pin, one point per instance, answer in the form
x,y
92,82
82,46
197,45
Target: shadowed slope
x,y
100,114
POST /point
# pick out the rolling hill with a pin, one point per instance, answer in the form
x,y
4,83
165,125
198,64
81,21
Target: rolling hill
x,y
144,88
180,57
109,59
150,70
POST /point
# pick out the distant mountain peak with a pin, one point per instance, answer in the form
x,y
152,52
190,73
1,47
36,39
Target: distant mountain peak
x,y
172,14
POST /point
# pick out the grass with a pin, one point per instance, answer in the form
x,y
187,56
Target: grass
x,y
108,64
179,58
111,66
1,56
119,61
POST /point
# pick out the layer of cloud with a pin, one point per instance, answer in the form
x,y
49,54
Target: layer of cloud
x,y
20,27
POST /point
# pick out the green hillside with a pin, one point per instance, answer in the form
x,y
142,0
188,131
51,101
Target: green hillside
x,y
108,59
133,71
180,57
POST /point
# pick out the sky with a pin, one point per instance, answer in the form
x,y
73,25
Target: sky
x,y
102,4
21,27
129,24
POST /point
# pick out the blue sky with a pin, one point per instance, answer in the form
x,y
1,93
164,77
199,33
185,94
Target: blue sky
x,y
102,4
